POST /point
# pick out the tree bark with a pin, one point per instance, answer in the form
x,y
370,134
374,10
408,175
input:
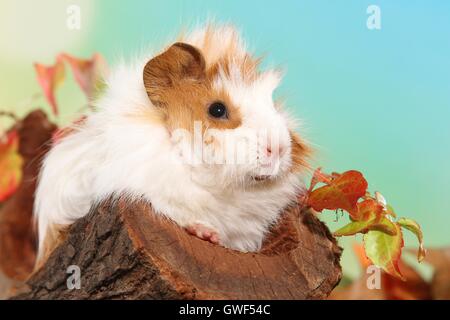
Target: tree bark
x,y
125,251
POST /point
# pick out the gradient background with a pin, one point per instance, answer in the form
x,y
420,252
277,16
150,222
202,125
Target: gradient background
x,y
373,100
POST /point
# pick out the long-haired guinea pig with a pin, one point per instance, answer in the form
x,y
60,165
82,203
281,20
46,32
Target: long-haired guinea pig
x,y
195,132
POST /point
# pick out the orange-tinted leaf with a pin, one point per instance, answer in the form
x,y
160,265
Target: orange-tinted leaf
x,y
413,288
49,78
342,192
414,227
87,72
369,213
368,210
385,250
361,255
319,177
10,165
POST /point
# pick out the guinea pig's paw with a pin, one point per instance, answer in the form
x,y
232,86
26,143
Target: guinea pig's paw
x,y
203,232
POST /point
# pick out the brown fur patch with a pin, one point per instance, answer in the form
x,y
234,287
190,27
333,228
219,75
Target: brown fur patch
x,y
222,47
178,82
248,67
300,152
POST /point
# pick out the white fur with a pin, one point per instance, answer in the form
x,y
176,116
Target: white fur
x,y
117,152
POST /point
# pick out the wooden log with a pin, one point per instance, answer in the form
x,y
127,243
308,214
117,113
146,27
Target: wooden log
x,y
125,251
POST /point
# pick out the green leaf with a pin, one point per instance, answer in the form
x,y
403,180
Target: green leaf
x,y
376,223
414,227
353,228
384,250
385,225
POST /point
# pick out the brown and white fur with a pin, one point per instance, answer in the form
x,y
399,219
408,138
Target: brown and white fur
x,y
128,147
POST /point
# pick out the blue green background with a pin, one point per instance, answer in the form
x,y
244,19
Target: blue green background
x,y
373,100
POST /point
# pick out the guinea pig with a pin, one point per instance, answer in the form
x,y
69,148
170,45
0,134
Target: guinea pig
x,y
205,92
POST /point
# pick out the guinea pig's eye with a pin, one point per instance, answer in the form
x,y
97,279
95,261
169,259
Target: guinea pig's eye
x,y
218,110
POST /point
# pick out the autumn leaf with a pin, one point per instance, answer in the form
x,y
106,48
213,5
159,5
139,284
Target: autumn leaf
x,y
360,254
10,165
353,228
368,210
342,192
414,288
319,177
49,78
414,227
87,72
384,250
385,225
369,213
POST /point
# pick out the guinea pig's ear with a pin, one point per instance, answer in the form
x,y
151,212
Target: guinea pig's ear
x,y
181,61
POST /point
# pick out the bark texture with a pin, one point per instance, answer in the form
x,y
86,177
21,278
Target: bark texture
x,y
125,251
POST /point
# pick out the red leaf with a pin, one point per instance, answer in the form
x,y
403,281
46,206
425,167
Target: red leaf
x,y
49,78
360,253
368,209
343,192
413,288
319,177
86,71
10,165
369,213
